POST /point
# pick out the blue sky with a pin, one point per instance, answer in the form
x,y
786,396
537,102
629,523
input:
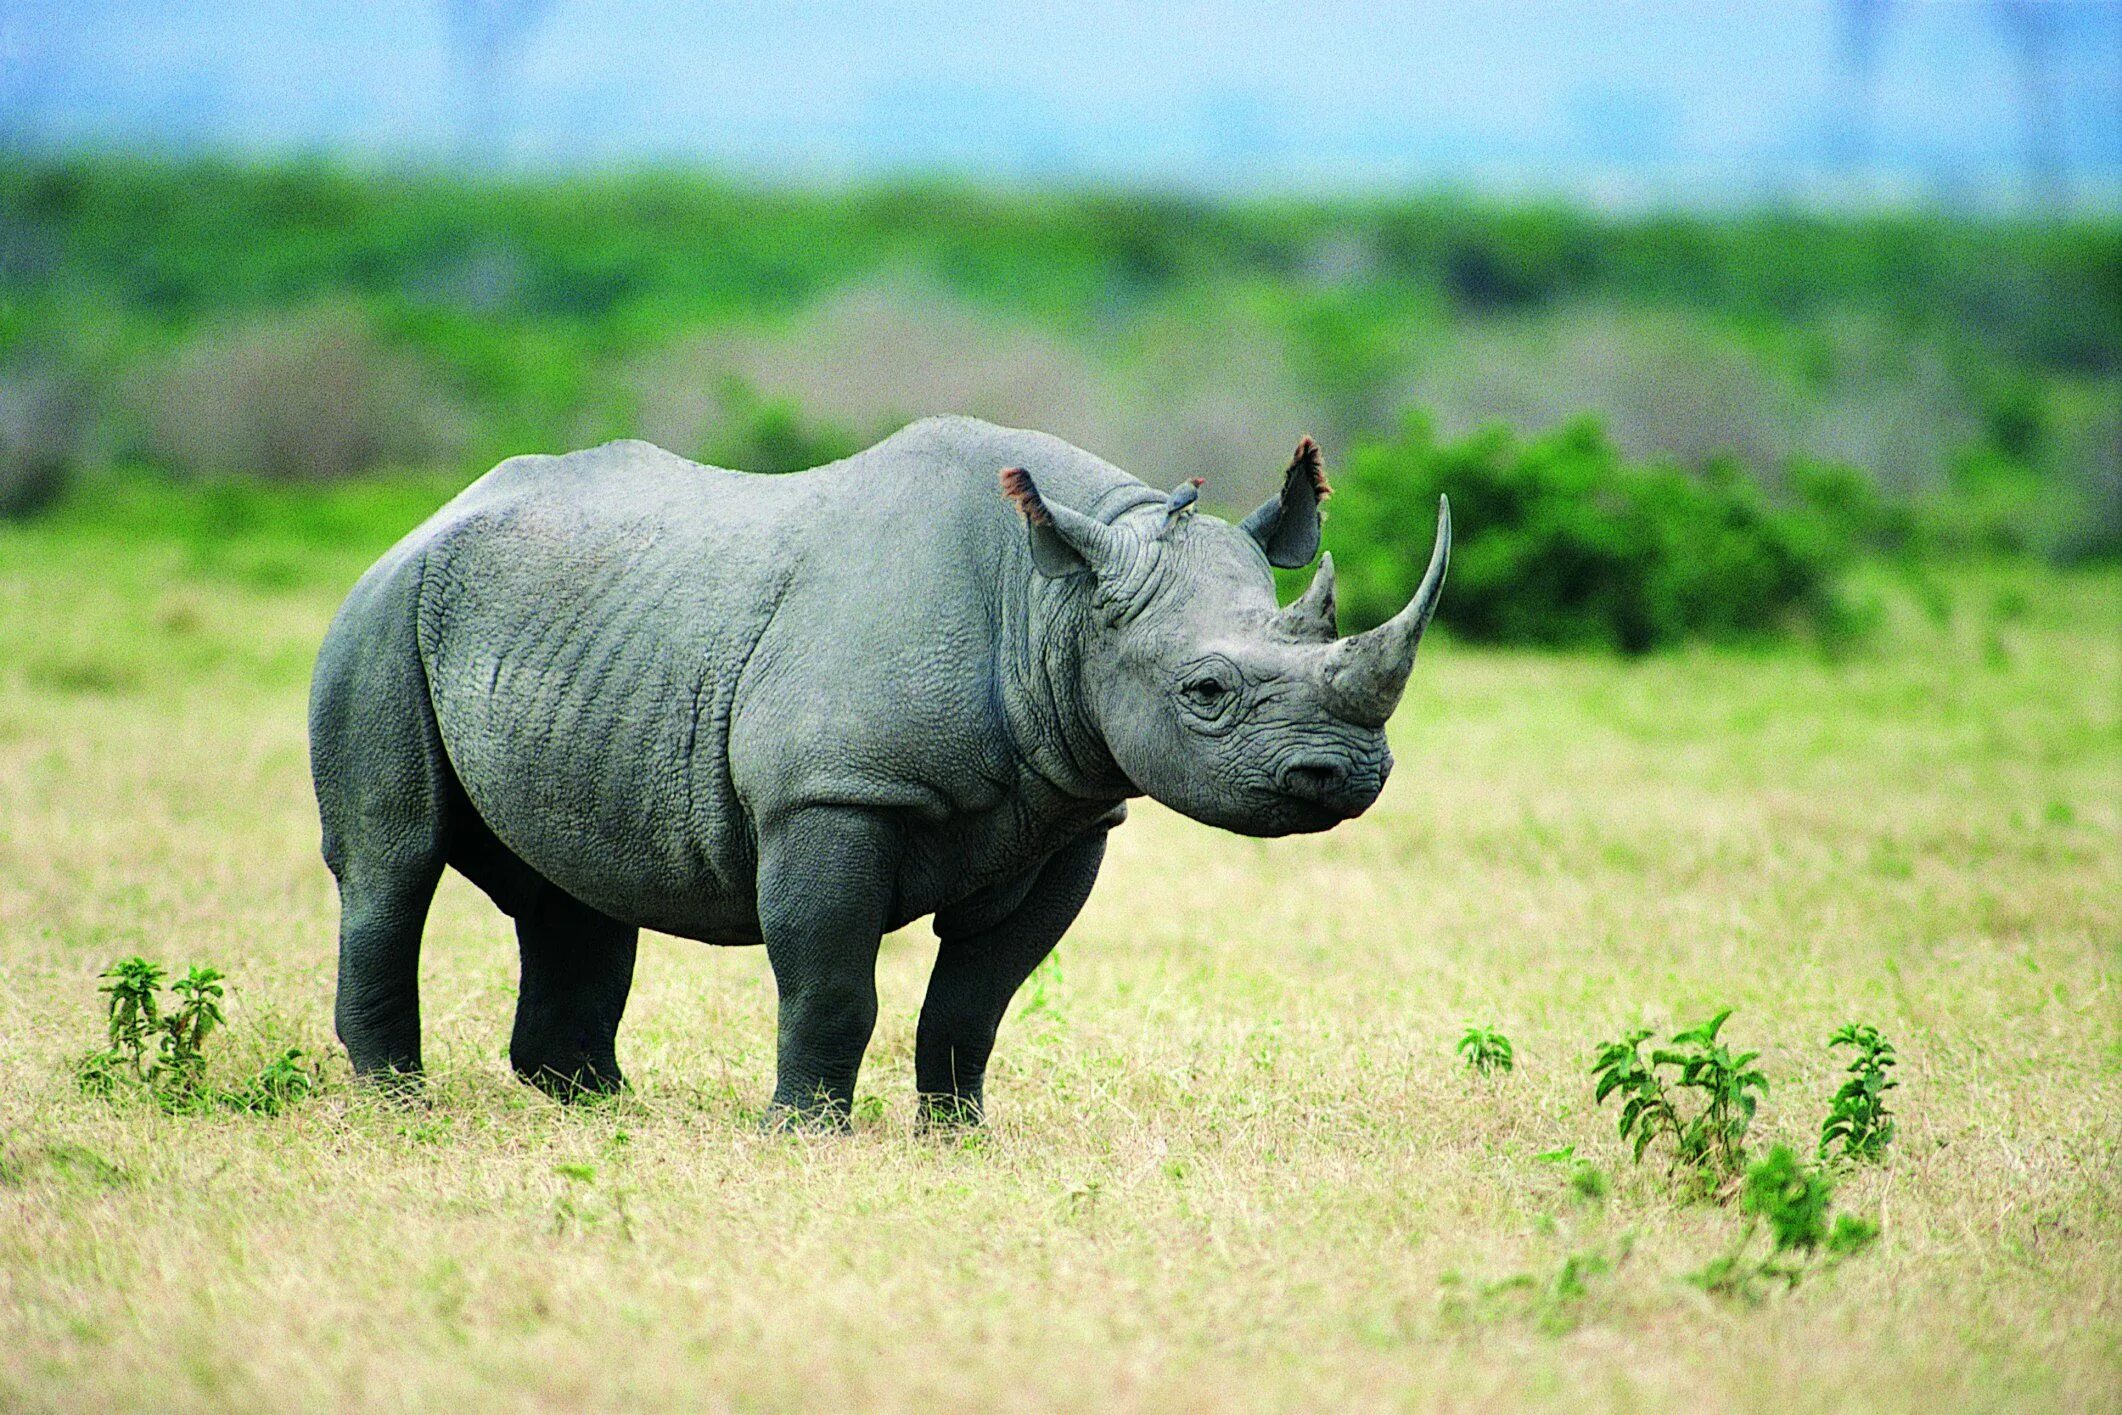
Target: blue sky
x,y
1733,99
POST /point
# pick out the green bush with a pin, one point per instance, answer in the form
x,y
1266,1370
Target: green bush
x,y
161,1052
1563,542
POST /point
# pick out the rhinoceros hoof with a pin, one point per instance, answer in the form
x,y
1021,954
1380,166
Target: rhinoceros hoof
x,y
401,1087
573,1080
951,1112
818,1118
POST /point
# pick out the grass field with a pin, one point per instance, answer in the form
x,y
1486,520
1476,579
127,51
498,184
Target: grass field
x,y
1234,1162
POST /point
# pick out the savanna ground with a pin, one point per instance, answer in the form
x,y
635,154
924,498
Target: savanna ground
x,y
1233,1162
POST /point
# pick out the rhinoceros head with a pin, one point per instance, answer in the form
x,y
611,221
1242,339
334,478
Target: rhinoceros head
x,y
1210,697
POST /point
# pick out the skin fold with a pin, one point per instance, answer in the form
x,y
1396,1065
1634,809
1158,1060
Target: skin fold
x,y
618,690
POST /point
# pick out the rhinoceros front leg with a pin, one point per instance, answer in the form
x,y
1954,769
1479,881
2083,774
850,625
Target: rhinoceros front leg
x,y
826,876
982,962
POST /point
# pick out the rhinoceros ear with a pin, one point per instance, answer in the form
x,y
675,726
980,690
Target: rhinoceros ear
x,y
1063,541
1287,525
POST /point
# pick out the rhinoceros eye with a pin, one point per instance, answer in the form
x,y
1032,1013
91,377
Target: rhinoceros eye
x,y
1212,691
1207,693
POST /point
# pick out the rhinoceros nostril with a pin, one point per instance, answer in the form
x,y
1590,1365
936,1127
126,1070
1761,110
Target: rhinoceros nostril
x,y
1314,779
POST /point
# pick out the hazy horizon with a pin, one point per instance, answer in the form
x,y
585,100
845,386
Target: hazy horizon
x,y
1716,103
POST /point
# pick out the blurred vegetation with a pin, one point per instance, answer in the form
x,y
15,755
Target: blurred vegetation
x,y
1655,427
1577,546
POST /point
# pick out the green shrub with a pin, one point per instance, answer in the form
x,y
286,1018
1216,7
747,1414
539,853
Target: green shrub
x,y
1704,1110
1792,1201
174,1077
1562,542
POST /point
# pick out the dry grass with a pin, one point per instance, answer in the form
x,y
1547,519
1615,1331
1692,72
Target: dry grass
x,y
1235,1163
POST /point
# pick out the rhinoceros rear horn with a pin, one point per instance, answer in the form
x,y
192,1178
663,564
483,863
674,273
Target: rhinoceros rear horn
x,y
1311,615
1366,673
1063,541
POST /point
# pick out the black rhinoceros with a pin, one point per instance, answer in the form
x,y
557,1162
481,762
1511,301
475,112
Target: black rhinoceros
x,y
618,690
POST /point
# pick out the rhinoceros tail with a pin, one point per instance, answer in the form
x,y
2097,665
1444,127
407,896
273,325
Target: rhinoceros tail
x,y
1307,459
1017,486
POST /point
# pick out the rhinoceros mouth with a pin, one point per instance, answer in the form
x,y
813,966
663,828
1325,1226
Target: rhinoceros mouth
x,y
1291,816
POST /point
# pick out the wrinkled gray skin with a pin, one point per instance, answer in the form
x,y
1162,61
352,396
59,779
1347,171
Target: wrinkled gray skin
x,y
618,690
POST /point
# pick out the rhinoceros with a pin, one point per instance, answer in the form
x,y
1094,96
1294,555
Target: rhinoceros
x,y
620,690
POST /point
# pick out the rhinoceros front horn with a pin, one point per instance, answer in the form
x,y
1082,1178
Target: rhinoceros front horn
x,y
1366,673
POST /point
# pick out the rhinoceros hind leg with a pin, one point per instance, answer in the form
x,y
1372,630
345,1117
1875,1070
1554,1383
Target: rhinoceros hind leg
x,y
386,798
578,967
378,1011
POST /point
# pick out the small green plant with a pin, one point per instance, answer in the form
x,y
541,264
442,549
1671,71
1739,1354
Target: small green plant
x,y
180,1070
1708,1131
1858,1122
161,1052
135,1017
1486,1049
1793,1201
1586,1180
282,1081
